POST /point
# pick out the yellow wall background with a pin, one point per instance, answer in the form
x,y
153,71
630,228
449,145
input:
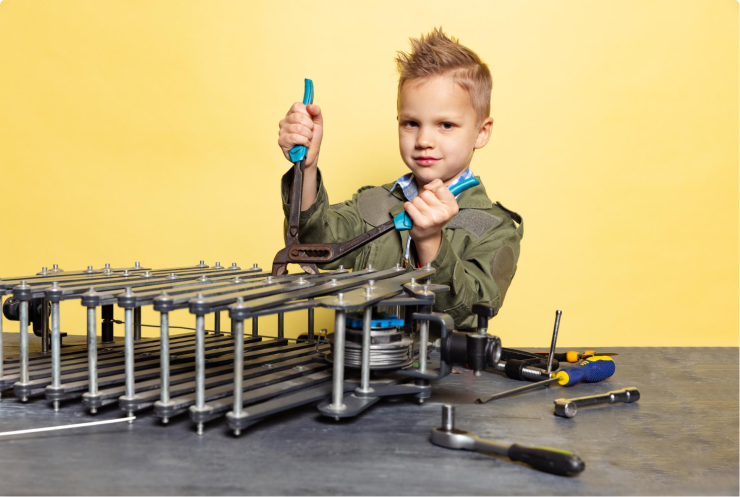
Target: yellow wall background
x,y
147,131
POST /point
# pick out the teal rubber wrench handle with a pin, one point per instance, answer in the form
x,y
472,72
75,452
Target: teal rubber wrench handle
x,y
403,222
299,152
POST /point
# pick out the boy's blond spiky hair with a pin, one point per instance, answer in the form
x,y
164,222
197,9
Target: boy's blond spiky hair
x,y
436,54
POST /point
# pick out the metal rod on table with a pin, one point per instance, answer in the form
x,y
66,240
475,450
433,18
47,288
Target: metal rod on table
x,y
337,397
281,325
92,353
23,316
255,327
200,361
130,419
238,367
129,351
217,323
55,350
137,323
367,320
164,357
554,341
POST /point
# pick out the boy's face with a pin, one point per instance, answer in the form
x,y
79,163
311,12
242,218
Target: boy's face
x,y
438,129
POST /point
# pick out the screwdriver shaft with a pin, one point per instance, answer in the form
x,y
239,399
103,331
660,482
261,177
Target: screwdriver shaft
x,y
514,391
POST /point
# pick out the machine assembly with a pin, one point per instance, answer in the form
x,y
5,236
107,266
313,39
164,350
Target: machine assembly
x,y
241,375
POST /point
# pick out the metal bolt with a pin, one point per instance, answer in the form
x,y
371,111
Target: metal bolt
x,y
233,264
340,297
89,268
147,274
369,266
301,280
448,417
130,414
240,300
200,428
237,279
165,420
125,272
269,279
398,265
412,282
218,264
368,291
237,432
44,269
256,266
429,265
128,290
202,263
137,264
56,406
55,284
93,410
107,265
55,266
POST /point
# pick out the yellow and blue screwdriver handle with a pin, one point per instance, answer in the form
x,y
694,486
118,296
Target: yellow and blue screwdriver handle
x,y
590,370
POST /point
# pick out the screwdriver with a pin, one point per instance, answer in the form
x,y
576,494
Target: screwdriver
x,y
573,356
589,370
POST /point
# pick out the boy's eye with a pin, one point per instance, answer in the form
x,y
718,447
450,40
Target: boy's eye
x,y
411,124
447,126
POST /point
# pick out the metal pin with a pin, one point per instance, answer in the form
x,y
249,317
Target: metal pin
x,y
217,323
238,367
310,324
448,417
137,264
337,403
128,347
423,340
255,327
281,324
200,362
66,427
92,351
554,341
164,358
137,323
55,348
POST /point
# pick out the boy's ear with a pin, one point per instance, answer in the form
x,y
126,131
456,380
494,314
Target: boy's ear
x,y
484,133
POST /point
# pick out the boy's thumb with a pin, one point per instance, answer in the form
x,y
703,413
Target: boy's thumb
x,y
315,112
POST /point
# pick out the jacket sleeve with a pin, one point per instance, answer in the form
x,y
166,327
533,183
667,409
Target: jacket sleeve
x,y
324,223
481,272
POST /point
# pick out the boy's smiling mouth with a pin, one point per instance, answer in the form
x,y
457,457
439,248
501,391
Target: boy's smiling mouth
x,y
425,160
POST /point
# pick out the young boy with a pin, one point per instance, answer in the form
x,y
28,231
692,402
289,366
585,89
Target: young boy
x,y
444,94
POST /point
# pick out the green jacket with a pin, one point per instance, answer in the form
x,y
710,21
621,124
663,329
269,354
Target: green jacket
x,y
477,259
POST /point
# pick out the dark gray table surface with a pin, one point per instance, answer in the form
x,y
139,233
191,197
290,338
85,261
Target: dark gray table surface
x,y
681,438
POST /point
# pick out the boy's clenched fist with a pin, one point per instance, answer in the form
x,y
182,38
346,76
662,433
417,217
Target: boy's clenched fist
x,y
302,125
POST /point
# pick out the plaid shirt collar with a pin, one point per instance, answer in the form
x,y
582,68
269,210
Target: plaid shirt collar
x,y
409,189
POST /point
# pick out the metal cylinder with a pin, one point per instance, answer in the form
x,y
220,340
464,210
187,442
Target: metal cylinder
x,y
448,417
337,397
217,323
255,327
281,325
367,319
92,351
200,361
55,346
128,346
423,341
23,317
137,323
554,340
164,356
238,367
311,325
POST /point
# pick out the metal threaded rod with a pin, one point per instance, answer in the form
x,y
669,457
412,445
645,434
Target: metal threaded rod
x,y
164,357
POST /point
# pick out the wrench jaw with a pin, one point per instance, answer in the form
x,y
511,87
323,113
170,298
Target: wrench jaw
x,y
453,439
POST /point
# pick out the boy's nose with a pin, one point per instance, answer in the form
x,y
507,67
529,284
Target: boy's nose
x,y
424,140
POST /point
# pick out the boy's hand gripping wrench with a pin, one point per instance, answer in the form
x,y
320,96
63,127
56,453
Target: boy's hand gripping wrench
x,y
298,157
